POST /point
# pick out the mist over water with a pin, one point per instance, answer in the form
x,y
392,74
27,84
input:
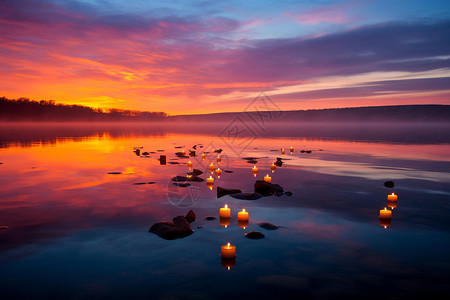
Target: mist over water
x,y
78,214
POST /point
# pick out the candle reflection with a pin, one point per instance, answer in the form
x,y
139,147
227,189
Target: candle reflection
x,y
218,172
210,182
203,156
243,223
255,171
228,262
273,167
392,204
225,222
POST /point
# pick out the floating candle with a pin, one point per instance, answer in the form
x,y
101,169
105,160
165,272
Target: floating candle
x,y
225,212
385,217
273,167
210,182
218,172
228,251
385,213
203,156
211,168
189,165
255,171
219,159
292,149
243,224
282,151
243,215
392,197
267,178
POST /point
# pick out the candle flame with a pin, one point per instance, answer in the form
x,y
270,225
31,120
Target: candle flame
x,y
226,206
385,227
228,268
393,194
243,210
228,244
385,208
226,226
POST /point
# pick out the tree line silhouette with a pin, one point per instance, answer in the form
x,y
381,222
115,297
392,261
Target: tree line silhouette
x,y
24,109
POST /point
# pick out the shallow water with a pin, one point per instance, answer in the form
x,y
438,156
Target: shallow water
x,y
77,232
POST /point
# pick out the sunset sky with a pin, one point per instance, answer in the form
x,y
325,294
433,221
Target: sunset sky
x,y
213,56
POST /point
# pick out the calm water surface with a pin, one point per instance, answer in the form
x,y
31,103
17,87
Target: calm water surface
x,y
77,232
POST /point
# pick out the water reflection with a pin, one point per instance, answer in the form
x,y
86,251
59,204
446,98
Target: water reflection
x,y
90,200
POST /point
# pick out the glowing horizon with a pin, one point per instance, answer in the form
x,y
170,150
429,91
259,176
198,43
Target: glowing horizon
x,y
211,57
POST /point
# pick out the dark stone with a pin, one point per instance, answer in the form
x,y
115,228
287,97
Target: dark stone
x,y
177,229
209,218
145,153
160,150
218,151
194,147
268,226
279,158
253,162
288,193
178,147
303,151
190,217
191,153
139,183
247,196
228,171
115,173
162,159
138,152
182,184
308,151
268,189
254,235
174,163
223,192
151,182
389,184
184,179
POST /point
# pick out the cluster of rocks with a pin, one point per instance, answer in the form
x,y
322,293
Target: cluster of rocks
x,y
261,189
177,229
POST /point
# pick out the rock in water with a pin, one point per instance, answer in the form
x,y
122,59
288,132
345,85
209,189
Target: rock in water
x,y
177,229
190,217
254,235
246,196
209,218
114,173
268,189
389,184
288,193
268,226
223,192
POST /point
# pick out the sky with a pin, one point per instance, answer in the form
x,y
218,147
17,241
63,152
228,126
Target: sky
x,y
185,57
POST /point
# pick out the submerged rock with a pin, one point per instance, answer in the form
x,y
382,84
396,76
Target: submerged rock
x,y
184,179
209,218
139,183
389,184
151,182
268,189
114,173
218,151
195,172
223,192
246,196
190,216
177,229
228,171
288,193
254,235
268,226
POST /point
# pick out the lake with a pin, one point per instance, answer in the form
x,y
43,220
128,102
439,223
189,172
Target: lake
x,y
78,201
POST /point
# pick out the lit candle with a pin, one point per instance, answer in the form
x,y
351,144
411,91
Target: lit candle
x,y
224,222
385,213
243,224
218,172
228,251
225,212
203,156
282,151
273,167
183,152
292,149
211,168
219,159
385,217
243,215
189,165
392,197
255,171
267,178
210,182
